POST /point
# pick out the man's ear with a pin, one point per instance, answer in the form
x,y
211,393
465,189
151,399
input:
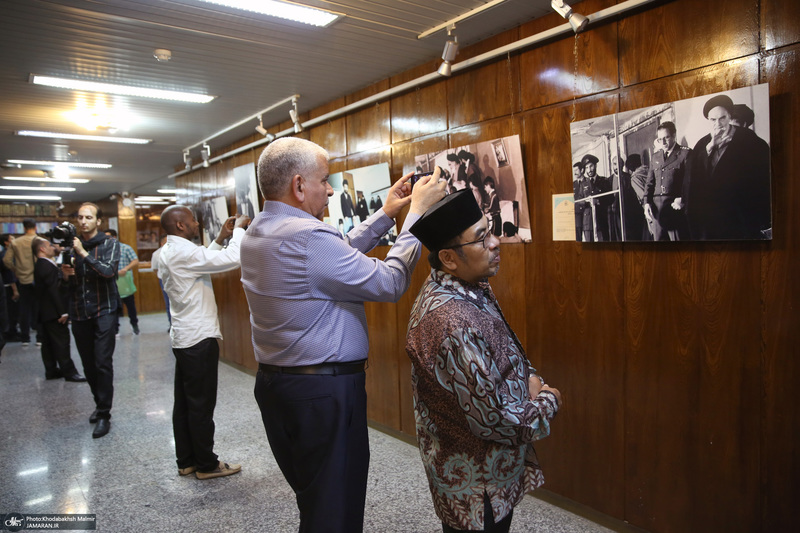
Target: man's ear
x,y
298,188
448,259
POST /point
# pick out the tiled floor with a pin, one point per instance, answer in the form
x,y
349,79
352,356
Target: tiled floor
x,y
129,480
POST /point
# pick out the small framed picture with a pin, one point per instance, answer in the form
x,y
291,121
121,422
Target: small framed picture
x,y
500,153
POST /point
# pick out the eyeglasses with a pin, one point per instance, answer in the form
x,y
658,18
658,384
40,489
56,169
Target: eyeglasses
x,y
482,241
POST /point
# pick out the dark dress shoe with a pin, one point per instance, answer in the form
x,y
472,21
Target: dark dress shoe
x,y
75,378
55,375
94,418
101,429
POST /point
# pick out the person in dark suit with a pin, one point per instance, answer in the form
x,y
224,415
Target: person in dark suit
x,y
361,207
348,210
472,174
577,177
663,201
590,186
51,294
728,193
492,208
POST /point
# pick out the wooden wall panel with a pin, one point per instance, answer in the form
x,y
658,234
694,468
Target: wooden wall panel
x,y
780,333
690,328
575,324
331,134
485,92
421,111
548,72
368,128
779,23
684,35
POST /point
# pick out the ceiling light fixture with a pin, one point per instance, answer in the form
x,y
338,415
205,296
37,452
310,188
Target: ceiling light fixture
x,y
294,115
66,163
284,10
77,137
263,131
30,197
125,90
576,20
187,160
205,153
24,188
162,55
449,52
45,179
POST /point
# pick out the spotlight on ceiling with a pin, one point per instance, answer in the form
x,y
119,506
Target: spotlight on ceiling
x,y
576,20
295,116
205,153
187,160
263,131
449,53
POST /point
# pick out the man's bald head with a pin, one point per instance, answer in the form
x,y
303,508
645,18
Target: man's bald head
x,y
178,220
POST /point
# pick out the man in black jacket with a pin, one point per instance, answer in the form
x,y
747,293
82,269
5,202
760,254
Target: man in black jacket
x,y
51,295
92,309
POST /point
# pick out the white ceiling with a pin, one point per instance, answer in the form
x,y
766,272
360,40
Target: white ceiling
x,y
249,61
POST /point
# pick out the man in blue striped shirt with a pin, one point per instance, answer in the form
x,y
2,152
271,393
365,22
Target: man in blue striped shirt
x,y
306,286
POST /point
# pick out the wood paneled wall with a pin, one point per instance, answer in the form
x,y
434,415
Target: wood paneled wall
x,y
678,364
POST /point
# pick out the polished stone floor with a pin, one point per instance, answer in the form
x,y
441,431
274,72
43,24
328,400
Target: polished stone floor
x,y
129,480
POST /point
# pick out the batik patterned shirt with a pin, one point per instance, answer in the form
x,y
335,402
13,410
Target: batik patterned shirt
x,y
475,419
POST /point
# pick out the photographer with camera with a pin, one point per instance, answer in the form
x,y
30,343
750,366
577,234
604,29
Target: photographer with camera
x,y
93,309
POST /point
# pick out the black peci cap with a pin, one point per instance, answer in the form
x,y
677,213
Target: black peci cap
x,y
446,219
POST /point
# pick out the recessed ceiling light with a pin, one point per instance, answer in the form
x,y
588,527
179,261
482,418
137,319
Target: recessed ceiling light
x,y
24,188
27,197
47,180
126,90
77,137
65,163
297,13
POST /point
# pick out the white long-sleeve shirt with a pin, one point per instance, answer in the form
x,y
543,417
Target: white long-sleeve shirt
x,y
185,270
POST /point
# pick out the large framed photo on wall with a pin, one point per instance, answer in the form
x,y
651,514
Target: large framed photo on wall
x,y
689,170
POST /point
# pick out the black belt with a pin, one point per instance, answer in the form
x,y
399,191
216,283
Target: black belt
x,y
322,369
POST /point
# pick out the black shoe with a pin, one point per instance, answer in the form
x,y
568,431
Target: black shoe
x,y
75,378
101,429
94,418
54,375
135,330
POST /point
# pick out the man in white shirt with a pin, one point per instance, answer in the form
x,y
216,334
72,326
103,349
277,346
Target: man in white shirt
x,y
185,270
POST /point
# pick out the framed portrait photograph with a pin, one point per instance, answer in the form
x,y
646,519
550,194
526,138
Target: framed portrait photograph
x,y
500,154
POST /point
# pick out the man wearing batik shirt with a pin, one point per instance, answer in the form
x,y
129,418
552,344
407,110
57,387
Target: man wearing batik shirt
x,y
478,403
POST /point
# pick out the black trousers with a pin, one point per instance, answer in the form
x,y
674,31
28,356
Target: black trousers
x,y
130,304
28,311
317,429
196,370
95,341
489,525
55,349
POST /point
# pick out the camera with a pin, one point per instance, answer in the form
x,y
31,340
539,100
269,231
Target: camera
x,y
63,235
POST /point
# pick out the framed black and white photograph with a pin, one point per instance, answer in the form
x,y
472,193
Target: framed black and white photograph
x,y
500,155
213,214
690,170
246,190
493,171
357,194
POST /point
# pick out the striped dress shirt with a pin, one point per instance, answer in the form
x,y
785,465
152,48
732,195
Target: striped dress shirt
x,y
306,285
